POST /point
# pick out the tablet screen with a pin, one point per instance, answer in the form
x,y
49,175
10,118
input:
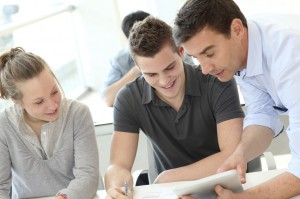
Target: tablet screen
x,y
204,188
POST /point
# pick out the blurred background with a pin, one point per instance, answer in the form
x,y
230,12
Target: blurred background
x,y
78,37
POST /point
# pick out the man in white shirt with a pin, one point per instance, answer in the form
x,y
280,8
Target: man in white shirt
x,y
265,59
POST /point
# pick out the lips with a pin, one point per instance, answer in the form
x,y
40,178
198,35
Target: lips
x,y
54,112
218,74
170,85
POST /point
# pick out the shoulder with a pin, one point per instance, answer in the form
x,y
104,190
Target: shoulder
x,y
122,61
132,93
135,87
122,54
73,106
9,120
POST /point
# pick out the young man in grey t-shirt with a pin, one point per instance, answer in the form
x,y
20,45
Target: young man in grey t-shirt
x,y
193,121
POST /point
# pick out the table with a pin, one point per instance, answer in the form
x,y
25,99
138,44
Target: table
x,y
253,179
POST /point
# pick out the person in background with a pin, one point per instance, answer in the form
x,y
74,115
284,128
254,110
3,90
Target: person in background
x,y
264,58
123,69
193,121
47,142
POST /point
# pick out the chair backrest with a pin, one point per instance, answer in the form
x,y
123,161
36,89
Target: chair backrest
x,y
254,165
152,171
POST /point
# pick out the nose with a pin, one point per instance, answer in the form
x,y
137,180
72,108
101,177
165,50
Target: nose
x,y
206,67
164,79
52,105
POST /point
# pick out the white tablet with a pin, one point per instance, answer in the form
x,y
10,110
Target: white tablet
x,y
205,187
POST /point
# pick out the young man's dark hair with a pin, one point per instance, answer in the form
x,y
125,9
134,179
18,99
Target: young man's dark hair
x,y
148,39
130,19
214,14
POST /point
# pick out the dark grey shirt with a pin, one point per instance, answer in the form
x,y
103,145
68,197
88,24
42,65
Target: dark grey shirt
x,y
184,137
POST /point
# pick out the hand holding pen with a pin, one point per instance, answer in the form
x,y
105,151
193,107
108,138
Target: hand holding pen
x,y
126,188
127,191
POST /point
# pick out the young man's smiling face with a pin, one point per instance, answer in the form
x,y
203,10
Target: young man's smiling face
x,y
164,72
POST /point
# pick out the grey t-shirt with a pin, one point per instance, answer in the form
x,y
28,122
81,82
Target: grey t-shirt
x,y
65,159
184,137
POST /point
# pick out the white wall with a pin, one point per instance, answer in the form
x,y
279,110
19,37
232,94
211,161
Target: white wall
x,y
268,6
101,31
102,35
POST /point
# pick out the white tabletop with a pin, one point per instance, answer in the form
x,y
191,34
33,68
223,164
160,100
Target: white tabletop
x,y
140,192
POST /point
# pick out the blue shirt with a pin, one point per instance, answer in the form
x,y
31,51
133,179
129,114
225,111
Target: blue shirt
x,y
120,64
272,79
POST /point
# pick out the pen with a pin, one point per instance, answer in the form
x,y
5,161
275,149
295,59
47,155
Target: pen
x,y
126,188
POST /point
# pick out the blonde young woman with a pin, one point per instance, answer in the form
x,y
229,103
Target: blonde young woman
x,y
47,142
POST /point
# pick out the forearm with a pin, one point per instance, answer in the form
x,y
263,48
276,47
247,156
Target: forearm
x,y
285,185
255,140
116,176
111,91
85,156
200,169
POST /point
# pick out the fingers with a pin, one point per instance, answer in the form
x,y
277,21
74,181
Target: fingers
x,y
241,170
118,193
225,167
222,193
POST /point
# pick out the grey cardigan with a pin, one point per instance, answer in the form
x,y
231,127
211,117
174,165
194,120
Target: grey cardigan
x,y
65,160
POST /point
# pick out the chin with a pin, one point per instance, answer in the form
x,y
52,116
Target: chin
x,y
51,118
225,78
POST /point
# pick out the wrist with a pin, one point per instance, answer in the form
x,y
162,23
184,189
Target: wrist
x,y
135,71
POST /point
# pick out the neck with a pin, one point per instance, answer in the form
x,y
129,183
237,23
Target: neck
x,y
174,102
245,50
35,124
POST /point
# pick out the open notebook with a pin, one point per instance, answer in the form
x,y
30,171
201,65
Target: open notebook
x,y
200,189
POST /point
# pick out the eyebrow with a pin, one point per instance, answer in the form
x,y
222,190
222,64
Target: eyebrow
x,y
203,51
206,49
172,63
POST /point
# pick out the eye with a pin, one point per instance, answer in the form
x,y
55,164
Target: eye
x,y
209,55
150,74
39,102
54,92
170,68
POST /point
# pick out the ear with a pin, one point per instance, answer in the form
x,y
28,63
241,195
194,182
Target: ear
x,y
237,28
18,102
181,51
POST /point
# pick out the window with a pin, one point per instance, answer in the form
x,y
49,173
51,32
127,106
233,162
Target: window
x,y
51,34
